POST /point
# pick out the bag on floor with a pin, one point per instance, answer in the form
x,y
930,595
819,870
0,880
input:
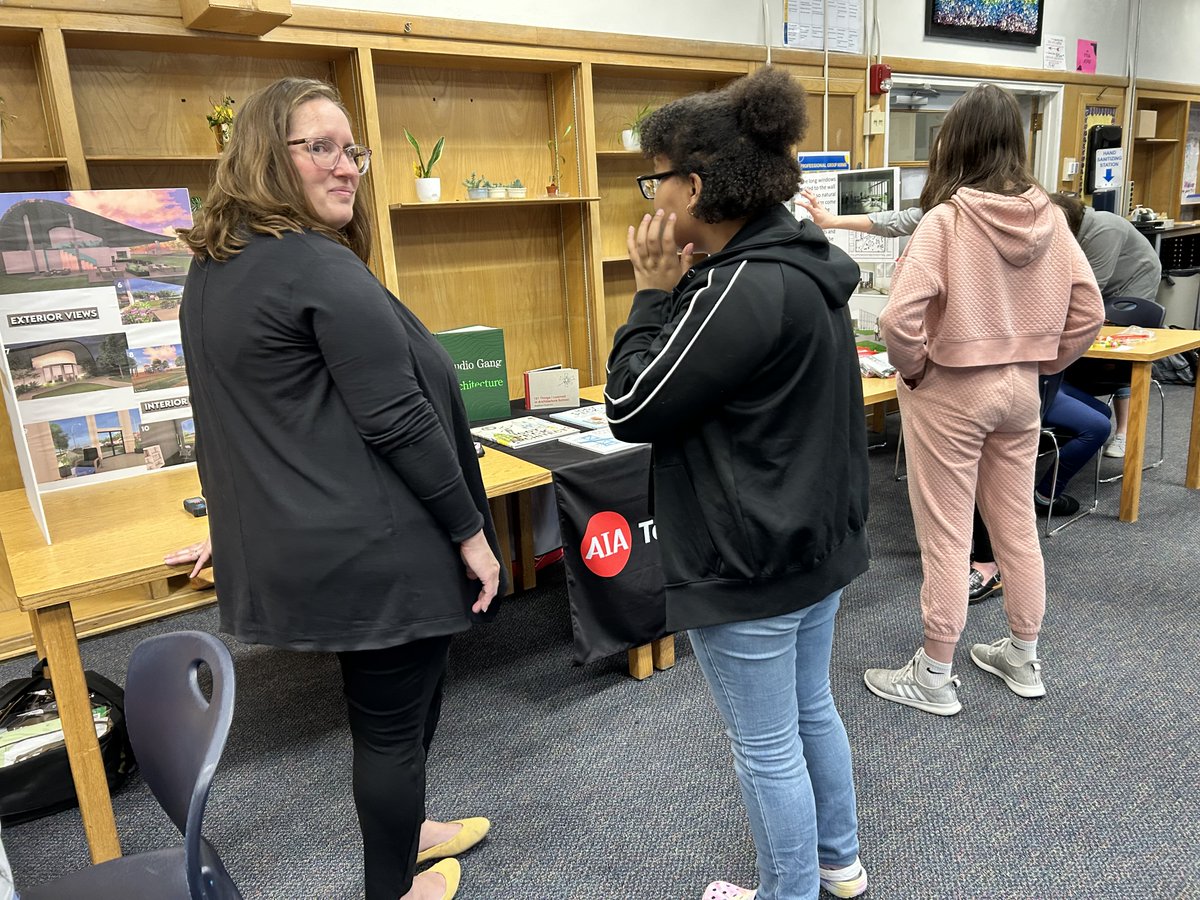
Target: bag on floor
x,y
35,775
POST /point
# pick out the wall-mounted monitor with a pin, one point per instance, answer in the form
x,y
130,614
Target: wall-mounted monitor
x,y
990,21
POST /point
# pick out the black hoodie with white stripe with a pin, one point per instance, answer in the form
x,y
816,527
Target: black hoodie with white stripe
x,y
745,379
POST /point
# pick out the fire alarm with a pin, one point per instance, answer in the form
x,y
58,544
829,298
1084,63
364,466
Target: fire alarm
x,y
881,78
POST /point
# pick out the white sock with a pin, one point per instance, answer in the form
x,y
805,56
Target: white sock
x,y
845,873
1019,652
930,672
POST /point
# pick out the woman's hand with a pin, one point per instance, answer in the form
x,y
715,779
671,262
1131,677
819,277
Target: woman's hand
x,y
200,554
657,263
481,565
822,217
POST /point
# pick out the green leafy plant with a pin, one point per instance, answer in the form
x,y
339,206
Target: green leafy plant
x,y
516,183
556,157
474,182
421,169
635,124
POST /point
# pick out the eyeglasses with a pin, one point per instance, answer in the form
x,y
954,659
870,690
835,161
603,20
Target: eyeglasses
x,y
648,184
326,154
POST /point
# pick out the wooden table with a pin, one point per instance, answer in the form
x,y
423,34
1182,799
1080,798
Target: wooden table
x,y
111,537
503,476
1167,341
107,537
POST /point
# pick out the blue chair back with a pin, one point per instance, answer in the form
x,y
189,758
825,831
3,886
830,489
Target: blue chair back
x,y
1134,311
178,737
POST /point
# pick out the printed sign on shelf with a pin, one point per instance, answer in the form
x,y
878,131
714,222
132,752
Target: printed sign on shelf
x,y
1108,170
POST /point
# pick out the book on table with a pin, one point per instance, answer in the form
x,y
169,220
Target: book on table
x,y
600,440
477,352
584,416
551,387
522,432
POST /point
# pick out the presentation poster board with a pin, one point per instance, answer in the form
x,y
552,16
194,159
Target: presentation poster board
x,y
91,285
856,192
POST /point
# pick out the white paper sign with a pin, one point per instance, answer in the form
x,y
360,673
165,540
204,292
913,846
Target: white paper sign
x,y
1054,52
1107,171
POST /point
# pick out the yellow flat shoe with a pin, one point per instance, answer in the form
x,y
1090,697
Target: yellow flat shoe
x,y
471,833
452,872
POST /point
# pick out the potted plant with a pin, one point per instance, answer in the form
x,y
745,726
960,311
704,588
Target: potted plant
x,y
631,136
497,191
429,189
516,190
220,120
6,118
556,161
476,187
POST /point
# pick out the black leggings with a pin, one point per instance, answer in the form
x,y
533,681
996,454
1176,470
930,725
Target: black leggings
x,y
394,697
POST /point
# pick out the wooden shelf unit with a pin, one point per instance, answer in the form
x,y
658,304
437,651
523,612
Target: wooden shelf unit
x,y
1157,163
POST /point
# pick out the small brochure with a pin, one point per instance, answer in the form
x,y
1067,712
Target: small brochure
x,y
599,441
583,416
522,432
551,387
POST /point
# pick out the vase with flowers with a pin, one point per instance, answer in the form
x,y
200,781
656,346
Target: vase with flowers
x,y
220,120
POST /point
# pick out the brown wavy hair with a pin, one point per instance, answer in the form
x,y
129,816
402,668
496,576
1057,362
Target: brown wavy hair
x,y
981,145
257,188
739,139
1072,207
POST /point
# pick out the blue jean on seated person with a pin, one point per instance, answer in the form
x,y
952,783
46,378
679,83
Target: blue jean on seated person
x,y
1083,416
770,680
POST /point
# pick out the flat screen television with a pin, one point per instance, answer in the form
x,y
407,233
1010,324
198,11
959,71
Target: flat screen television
x,y
990,21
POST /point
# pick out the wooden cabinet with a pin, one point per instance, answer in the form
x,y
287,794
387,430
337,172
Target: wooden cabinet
x,y
31,157
1157,166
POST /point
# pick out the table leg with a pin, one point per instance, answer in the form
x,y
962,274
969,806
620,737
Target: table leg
x,y
39,645
641,662
1135,441
525,540
57,629
1192,478
499,507
664,652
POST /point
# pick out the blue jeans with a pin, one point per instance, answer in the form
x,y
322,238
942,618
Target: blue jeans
x,y
770,680
1086,418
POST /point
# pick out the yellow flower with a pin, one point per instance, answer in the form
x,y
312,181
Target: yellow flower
x,y
222,112
417,170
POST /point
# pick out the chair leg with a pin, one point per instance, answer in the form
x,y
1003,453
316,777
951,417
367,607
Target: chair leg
x,y
1162,437
1053,483
899,451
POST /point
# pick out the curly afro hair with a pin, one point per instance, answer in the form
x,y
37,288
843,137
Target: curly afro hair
x,y
739,139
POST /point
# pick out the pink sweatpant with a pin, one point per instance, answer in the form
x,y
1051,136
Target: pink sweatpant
x,y
972,433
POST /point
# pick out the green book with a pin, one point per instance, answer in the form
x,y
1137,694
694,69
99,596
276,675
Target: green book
x,y
477,352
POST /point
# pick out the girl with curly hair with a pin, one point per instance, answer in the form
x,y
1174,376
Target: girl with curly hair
x,y
740,369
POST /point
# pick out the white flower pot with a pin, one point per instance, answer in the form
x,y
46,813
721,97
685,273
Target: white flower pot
x,y
630,141
517,193
497,193
429,190
479,193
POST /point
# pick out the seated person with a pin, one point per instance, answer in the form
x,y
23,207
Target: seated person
x,y
1085,418
1125,265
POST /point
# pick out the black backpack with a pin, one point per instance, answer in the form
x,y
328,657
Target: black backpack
x,y
41,783
1178,368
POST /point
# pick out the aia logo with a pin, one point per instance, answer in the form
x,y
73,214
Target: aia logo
x,y
605,547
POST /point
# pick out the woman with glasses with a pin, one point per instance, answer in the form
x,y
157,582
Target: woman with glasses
x,y
346,505
741,370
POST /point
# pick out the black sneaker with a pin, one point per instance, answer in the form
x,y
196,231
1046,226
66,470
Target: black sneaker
x,y
1064,505
980,589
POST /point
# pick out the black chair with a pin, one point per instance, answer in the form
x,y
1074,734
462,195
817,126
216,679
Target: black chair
x,y
177,736
1145,313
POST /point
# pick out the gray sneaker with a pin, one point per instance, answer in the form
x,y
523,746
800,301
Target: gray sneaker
x,y
901,686
1024,679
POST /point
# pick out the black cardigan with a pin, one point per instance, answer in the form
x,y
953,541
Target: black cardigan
x,y
334,451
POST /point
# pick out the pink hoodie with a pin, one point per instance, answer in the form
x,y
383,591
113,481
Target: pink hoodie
x,y
989,279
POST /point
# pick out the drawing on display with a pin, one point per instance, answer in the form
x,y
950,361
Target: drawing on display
x,y
54,240
71,365
157,368
143,301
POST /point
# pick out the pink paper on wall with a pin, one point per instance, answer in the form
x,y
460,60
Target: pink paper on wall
x,y
1085,57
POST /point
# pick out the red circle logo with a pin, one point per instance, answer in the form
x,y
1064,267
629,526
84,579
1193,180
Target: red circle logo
x,y
606,543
